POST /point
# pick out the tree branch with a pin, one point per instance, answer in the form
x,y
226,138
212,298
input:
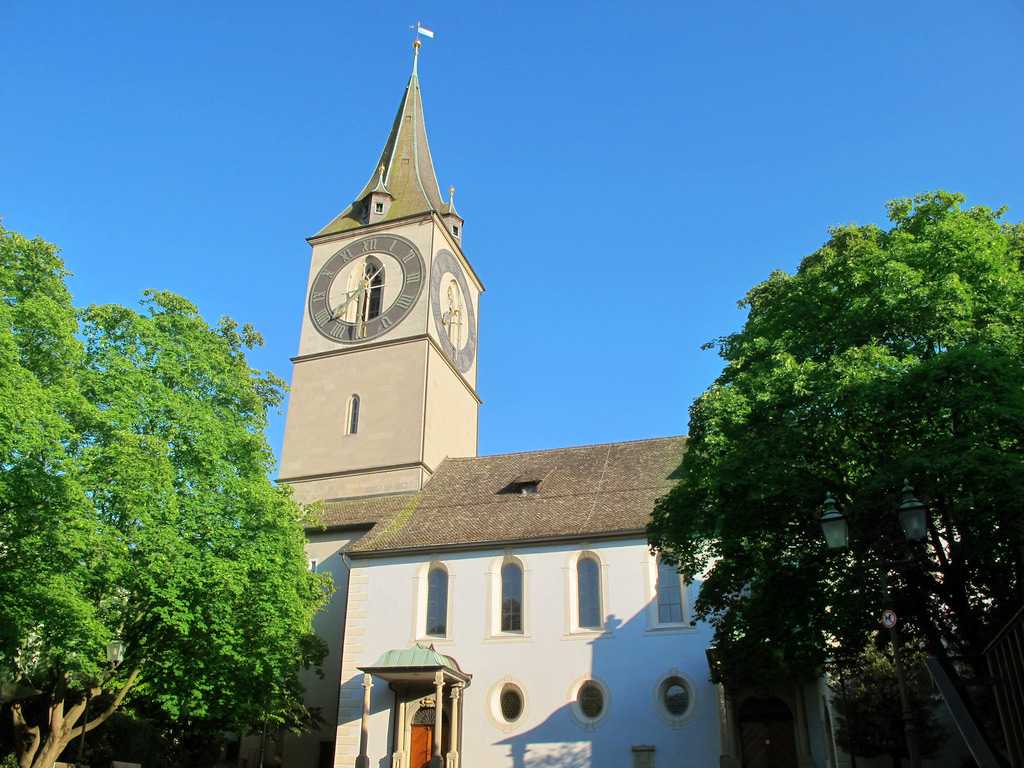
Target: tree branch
x,y
118,698
26,736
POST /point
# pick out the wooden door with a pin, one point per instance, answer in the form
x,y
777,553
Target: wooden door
x,y
767,734
422,746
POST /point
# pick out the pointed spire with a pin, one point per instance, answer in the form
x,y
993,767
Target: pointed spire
x,y
378,181
450,205
405,169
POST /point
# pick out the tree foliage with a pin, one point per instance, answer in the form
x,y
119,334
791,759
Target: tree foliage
x,y
890,354
135,504
870,716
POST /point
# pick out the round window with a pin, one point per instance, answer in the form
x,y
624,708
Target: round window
x,y
675,696
590,700
511,701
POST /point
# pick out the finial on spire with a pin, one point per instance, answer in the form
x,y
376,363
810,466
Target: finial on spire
x,y
451,195
419,29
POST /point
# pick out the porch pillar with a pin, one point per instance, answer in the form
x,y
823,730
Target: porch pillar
x,y
452,760
435,760
398,758
363,761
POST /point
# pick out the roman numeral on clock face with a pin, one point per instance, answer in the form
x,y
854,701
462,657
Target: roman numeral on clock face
x,y
385,321
322,316
404,302
412,277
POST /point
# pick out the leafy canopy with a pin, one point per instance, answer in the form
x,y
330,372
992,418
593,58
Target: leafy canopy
x,y
135,503
890,354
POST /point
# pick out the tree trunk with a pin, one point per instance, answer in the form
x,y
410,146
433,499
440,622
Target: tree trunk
x,y
63,728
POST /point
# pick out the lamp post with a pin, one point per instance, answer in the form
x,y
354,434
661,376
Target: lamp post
x,y
115,655
913,517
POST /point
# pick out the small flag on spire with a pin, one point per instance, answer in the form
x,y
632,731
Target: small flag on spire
x,y
421,30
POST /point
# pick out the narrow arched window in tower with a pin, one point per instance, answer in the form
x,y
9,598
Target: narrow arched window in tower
x,y
511,597
437,601
352,416
588,588
373,288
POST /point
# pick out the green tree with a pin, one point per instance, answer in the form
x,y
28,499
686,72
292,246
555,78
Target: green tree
x,y
870,717
135,504
890,354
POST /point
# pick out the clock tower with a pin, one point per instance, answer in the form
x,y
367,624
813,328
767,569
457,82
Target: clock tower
x,y
384,383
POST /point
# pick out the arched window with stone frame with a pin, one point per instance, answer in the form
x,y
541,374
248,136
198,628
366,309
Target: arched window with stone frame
x,y
437,601
671,595
588,592
511,596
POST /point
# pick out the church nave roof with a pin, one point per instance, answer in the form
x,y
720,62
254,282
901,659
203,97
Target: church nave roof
x,y
580,492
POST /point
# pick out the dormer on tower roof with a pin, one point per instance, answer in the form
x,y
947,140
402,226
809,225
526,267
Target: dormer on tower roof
x,y
403,182
451,217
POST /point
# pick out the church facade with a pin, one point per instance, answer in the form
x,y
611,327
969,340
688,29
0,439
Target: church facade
x,y
489,611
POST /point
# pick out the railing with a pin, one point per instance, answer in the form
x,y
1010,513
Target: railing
x,y
1005,659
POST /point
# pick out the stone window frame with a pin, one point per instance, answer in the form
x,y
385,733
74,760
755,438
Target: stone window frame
x,y
573,628
589,723
675,721
649,570
494,705
421,593
494,598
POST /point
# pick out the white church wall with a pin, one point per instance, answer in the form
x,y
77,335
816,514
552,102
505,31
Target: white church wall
x,y
630,658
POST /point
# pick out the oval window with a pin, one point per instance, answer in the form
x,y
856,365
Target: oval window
x,y
675,696
590,700
511,703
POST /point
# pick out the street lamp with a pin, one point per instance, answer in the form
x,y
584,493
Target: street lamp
x,y
115,655
913,516
115,652
834,525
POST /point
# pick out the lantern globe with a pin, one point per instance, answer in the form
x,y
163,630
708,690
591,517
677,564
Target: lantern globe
x,y
834,525
115,652
913,515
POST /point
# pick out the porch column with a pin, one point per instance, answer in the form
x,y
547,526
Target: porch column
x,y
363,761
435,760
398,758
452,760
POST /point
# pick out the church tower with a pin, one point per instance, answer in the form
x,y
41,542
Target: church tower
x,y
384,384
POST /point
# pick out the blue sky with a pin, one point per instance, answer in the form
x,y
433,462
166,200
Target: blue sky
x,y
672,153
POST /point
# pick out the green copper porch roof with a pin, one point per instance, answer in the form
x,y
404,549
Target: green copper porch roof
x,y
418,656
404,170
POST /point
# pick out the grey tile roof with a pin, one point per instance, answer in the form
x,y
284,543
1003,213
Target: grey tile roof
x,y
590,490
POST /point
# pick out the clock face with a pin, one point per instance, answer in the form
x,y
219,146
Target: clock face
x,y
452,307
366,288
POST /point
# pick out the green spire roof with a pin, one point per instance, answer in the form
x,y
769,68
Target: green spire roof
x,y
405,169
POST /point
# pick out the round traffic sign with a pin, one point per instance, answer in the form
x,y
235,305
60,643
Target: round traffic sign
x,y
888,619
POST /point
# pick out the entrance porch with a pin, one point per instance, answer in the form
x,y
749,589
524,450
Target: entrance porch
x,y
425,717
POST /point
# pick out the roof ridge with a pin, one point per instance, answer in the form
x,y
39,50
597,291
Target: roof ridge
x,y
506,498
568,448
369,496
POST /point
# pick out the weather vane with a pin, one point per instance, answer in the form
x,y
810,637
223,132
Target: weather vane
x,y
419,30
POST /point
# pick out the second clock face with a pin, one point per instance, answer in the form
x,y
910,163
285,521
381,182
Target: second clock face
x,y
366,288
452,306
